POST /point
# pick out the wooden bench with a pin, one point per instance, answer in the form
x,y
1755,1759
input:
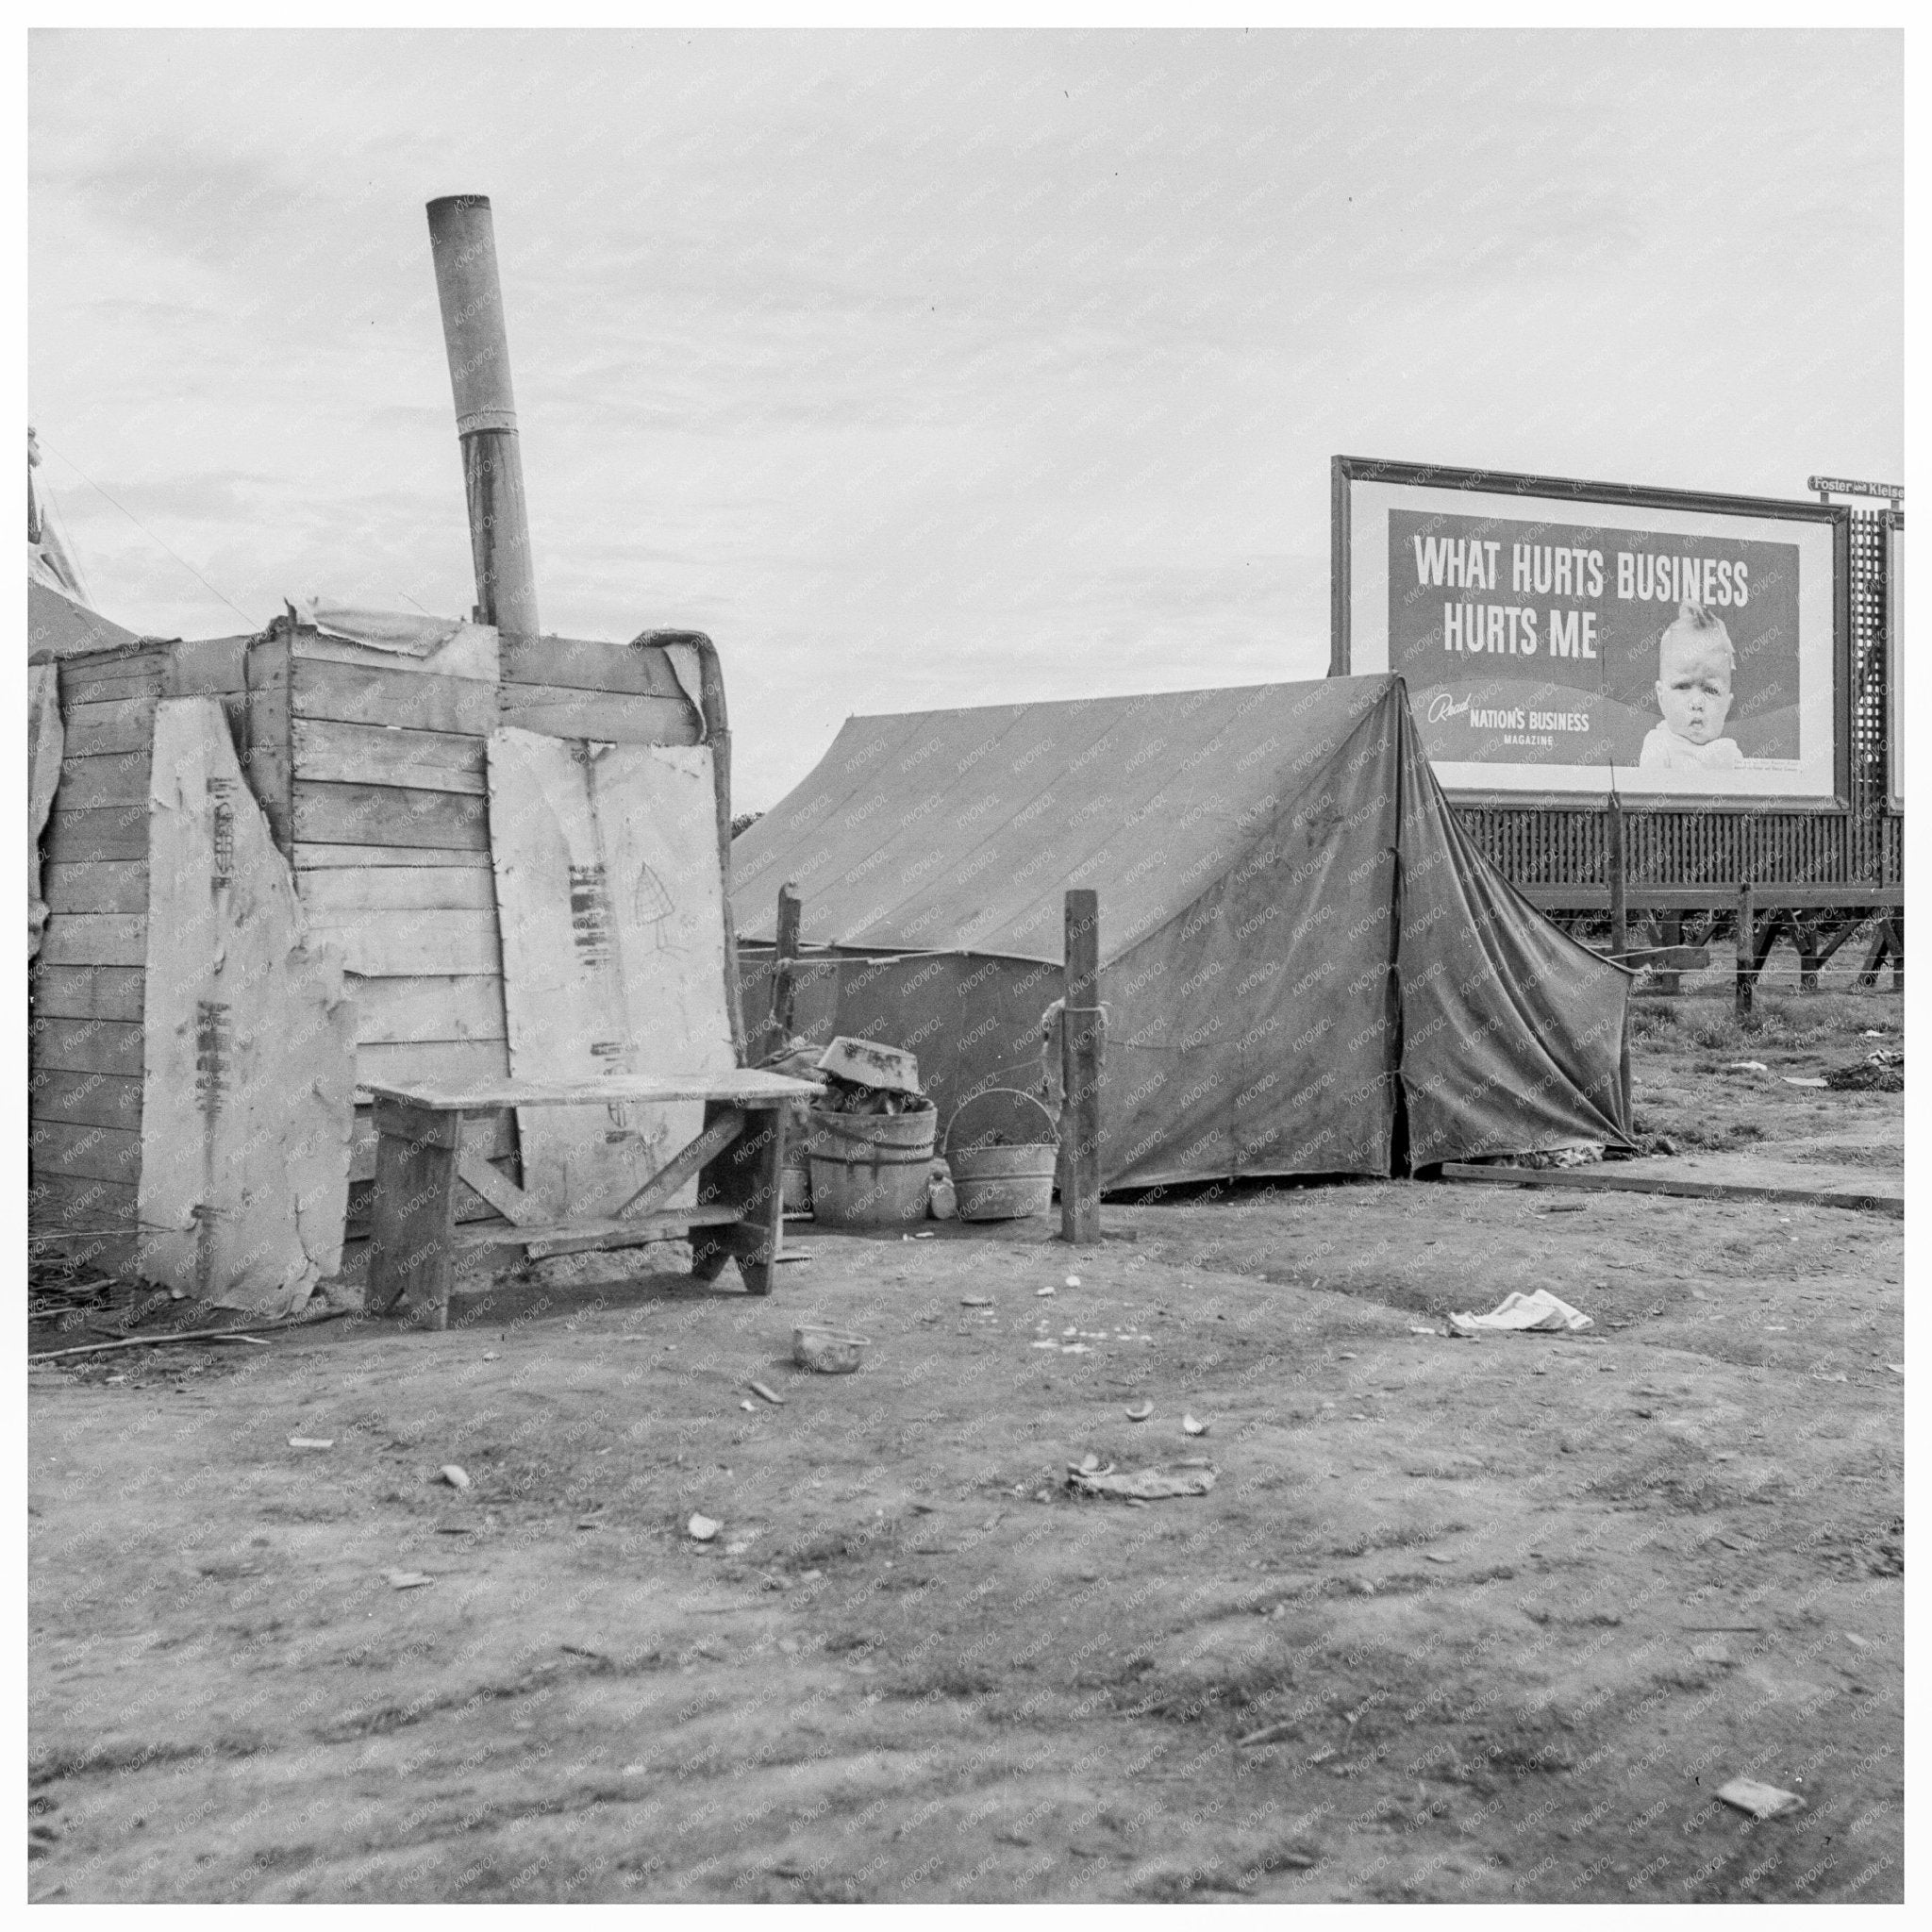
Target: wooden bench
x,y
737,1162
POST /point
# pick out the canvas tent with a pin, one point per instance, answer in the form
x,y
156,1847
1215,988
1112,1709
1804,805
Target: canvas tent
x,y
1306,967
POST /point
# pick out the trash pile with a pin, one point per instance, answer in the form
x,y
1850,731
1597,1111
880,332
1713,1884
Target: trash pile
x,y
1883,1072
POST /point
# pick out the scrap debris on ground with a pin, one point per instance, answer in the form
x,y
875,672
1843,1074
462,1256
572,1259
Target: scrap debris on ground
x,y
928,1651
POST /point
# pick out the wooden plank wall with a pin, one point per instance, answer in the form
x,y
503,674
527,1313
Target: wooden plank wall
x,y
371,769
85,1037
369,766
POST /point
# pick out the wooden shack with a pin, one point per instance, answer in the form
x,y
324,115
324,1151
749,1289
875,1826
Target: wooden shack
x,y
278,866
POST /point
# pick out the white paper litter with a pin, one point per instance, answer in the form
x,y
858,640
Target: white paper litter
x,y
1802,1081
1538,1311
1762,1801
1145,1485
1745,1067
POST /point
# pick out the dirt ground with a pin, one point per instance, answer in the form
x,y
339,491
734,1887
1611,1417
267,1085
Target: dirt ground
x,y
1457,1619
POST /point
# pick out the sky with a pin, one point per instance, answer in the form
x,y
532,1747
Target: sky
x,y
934,369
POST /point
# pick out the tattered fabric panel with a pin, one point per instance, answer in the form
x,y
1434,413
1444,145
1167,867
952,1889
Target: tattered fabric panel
x,y
1513,1033
45,742
611,901
249,1056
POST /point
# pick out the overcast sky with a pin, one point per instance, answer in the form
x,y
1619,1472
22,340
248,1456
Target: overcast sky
x,y
936,369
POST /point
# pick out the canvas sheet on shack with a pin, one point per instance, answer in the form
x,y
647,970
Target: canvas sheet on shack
x,y
613,908
1307,969
249,1054
45,740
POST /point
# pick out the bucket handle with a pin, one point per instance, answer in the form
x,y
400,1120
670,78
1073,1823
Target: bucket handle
x,y
1052,1139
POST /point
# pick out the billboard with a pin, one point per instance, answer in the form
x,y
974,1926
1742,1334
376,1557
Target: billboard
x,y
1558,636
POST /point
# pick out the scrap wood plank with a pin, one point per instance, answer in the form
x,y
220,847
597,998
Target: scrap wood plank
x,y
116,724
390,944
402,1062
739,1086
588,664
468,654
198,667
613,718
372,694
397,888
96,938
85,1100
86,834
308,856
603,1230
330,814
109,885
1591,1180
464,1006
89,992
60,1201
205,666
117,777
387,754
102,1153
86,1046
105,678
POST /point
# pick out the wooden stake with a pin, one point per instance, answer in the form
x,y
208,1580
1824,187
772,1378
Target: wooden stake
x,y
1748,947
1080,1065
784,988
1620,925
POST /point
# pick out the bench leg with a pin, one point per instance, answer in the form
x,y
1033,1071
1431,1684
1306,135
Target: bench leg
x,y
413,1255
749,1176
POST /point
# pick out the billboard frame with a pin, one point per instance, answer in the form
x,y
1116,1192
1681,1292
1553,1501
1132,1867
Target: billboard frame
x,y
1344,470
1894,659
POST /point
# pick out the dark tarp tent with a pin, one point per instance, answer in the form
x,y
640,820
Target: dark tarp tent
x,y
1306,967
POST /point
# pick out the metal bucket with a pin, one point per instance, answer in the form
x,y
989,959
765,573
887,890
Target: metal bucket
x,y
995,1175
869,1170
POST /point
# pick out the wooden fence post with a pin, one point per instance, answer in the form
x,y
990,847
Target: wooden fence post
x,y
1081,1035
1748,947
785,952
1615,866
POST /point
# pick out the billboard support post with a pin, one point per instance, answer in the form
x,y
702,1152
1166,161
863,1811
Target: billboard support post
x,y
1620,923
1748,947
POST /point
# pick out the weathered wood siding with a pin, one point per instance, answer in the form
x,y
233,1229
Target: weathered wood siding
x,y
87,989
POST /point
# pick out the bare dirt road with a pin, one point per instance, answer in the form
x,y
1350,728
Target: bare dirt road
x,y
1456,1620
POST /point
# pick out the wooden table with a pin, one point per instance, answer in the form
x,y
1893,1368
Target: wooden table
x,y
738,1160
